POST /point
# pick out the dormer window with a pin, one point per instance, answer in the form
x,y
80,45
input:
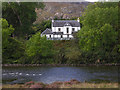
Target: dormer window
x,y
59,29
67,24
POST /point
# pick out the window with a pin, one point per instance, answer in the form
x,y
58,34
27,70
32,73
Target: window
x,y
61,36
73,29
50,36
67,30
59,29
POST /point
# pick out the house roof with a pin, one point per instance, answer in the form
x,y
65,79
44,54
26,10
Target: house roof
x,y
47,31
61,23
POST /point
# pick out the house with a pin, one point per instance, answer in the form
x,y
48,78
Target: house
x,y
62,29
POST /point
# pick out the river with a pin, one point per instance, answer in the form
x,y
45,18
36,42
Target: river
x,y
49,74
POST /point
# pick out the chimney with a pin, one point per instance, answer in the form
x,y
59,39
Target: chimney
x,y
78,20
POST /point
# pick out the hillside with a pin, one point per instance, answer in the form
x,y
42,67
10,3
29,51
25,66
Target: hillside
x,y
60,10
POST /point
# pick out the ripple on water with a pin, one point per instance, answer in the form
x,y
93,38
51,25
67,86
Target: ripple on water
x,y
16,72
20,73
27,74
33,74
4,74
11,73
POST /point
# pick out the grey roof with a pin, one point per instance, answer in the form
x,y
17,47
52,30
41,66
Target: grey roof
x,y
58,33
47,31
61,23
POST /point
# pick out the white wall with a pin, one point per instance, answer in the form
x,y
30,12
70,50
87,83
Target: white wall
x,y
64,36
59,36
78,28
53,29
64,29
47,35
70,36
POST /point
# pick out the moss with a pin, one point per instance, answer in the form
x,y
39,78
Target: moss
x,y
99,81
8,80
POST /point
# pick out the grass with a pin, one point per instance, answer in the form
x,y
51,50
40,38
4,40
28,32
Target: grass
x,y
12,86
80,85
92,85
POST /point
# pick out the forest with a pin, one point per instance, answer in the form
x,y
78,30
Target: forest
x,y
98,40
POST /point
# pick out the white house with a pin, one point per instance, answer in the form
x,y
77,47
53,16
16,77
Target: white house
x,y
62,29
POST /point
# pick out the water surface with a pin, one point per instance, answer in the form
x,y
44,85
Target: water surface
x,y
47,74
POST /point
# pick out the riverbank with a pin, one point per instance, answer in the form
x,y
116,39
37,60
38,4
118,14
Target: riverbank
x,y
60,84
7,65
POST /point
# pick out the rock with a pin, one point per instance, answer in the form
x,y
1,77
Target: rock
x,y
74,81
65,16
58,82
29,83
67,83
52,86
59,9
37,85
55,84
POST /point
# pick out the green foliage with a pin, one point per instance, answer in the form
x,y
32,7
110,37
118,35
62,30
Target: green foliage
x,y
72,54
21,15
67,52
13,52
39,48
6,32
42,26
98,41
12,49
99,35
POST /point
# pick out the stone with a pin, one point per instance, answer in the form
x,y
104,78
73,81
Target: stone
x,y
29,83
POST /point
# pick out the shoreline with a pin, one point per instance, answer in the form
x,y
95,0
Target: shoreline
x,y
62,84
7,65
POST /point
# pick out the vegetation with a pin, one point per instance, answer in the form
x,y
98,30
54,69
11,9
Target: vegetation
x,y
98,41
12,49
42,26
21,15
59,84
99,36
39,49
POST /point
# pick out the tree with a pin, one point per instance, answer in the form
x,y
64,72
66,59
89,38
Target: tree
x,y
12,49
72,55
39,48
21,15
98,37
42,26
6,32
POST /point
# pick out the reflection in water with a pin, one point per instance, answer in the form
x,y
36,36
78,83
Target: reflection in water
x,y
13,75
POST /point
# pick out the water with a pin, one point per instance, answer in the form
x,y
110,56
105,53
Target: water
x,y
12,75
